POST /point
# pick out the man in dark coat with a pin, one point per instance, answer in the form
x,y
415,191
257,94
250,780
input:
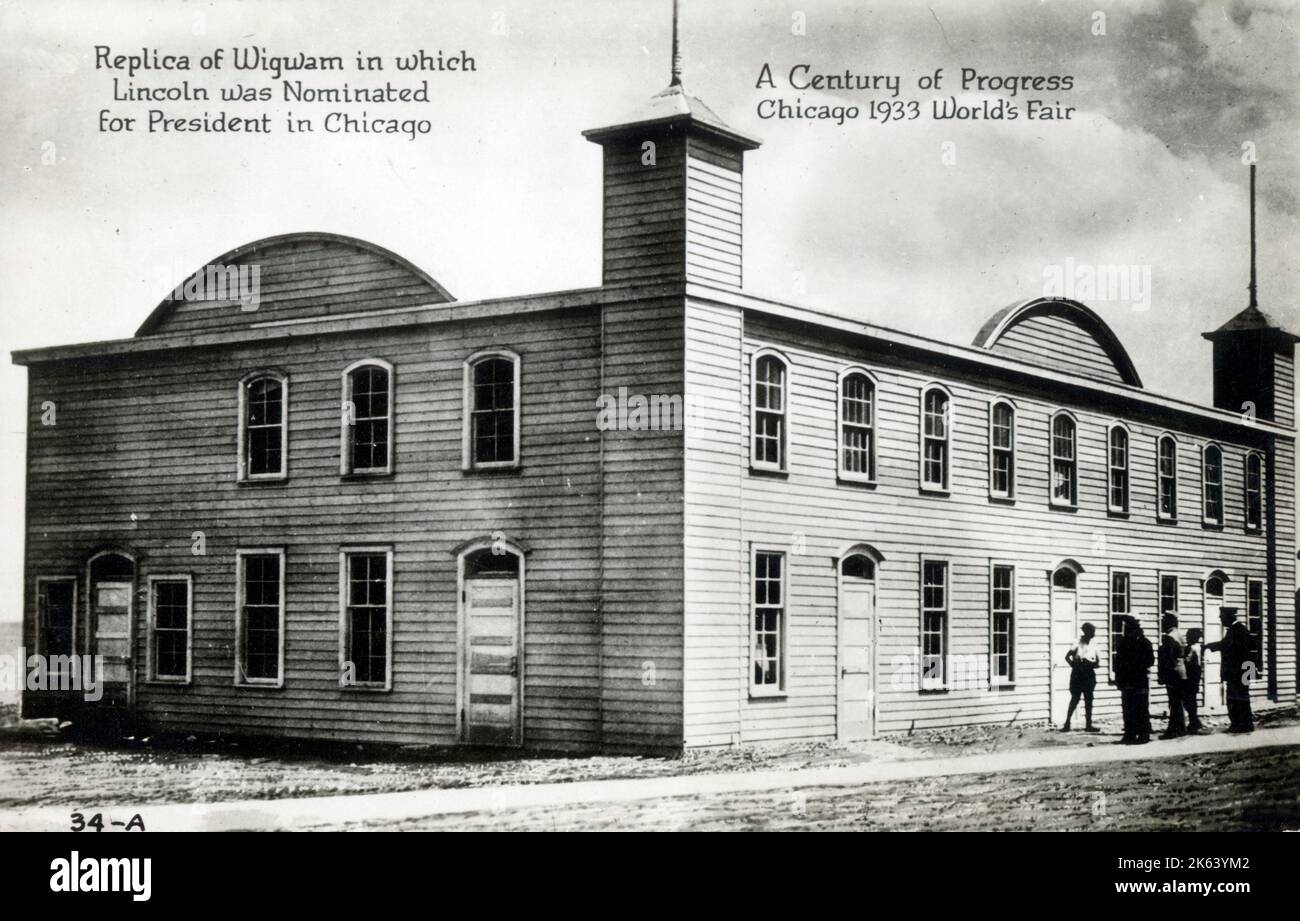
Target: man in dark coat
x,y
1133,660
1237,669
1172,673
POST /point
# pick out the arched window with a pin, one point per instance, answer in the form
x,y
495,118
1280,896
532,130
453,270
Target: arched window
x,y
367,439
1254,490
1065,464
1002,450
263,427
1167,478
1212,485
1117,466
935,403
491,428
769,413
857,426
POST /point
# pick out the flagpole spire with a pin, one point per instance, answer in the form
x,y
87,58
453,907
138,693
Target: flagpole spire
x,y
677,52
1254,302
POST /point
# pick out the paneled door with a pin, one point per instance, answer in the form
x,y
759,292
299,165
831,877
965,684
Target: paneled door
x,y
491,663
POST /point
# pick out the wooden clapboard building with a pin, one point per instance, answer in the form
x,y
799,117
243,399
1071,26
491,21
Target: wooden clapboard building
x,y
366,511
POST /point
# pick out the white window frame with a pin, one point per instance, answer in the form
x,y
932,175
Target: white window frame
x,y
1111,613
1112,467
871,426
374,550
1010,493
1073,501
949,418
240,680
924,682
151,661
783,447
1160,514
1257,526
996,680
783,624
468,464
1206,520
347,427
1160,593
243,473
1263,622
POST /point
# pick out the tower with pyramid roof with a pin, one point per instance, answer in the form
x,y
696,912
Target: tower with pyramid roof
x,y
672,191
1254,356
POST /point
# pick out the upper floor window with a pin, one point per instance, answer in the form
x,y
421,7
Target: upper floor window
x,y
769,414
263,427
1002,450
935,403
1065,464
367,441
1254,491
491,411
1117,468
1167,478
1212,485
857,426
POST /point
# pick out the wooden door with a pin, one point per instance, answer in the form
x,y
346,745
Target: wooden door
x,y
1065,633
1216,699
110,619
492,661
857,658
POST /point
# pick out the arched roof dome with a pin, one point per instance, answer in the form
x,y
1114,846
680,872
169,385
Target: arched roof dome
x,y
1062,334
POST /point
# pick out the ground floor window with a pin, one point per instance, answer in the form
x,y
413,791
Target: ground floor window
x,y
259,646
56,605
769,622
1255,622
367,601
169,628
1119,609
934,624
1003,624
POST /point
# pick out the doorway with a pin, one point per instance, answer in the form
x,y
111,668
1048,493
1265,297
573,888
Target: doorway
x,y
1065,633
110,624
857,631
1215,698
491,625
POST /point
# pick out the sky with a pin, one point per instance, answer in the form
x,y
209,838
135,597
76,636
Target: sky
x,y
926,226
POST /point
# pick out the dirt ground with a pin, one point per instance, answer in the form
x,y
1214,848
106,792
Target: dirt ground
x,y
39,771
1224,792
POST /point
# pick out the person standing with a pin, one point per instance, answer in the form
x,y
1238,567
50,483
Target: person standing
x,y
1237,669
1171,671
1083,660
1133,660
1192,687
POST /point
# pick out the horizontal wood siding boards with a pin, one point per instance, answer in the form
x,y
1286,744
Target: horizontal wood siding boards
x,y
714,207
1284,388
306,279
641,535
810,510
716,619
644,209
1056,342
143,455
1282,609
